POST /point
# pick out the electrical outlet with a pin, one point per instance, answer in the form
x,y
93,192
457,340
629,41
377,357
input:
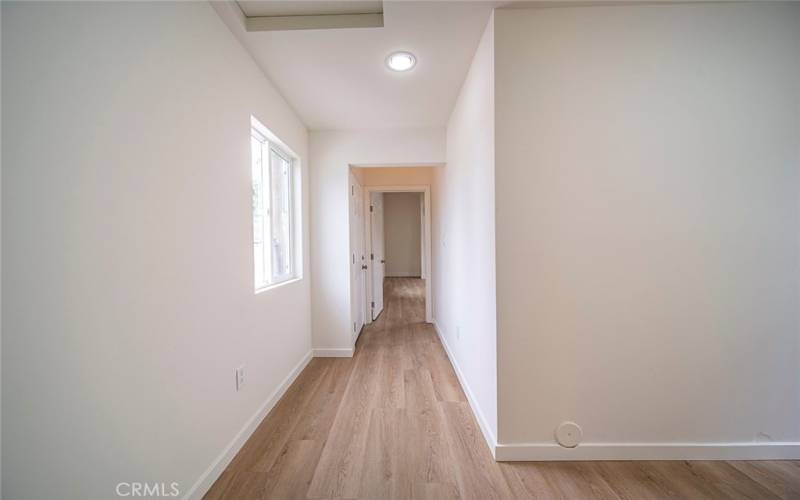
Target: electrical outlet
x,y
240,378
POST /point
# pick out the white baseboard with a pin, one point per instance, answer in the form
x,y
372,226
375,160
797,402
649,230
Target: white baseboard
x,y
204,483
491,441
543,452
402,275
535,452
333,352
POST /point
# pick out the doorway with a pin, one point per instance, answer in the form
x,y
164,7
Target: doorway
x,y
397,236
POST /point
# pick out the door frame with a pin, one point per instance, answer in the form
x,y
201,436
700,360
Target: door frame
x,y
427,275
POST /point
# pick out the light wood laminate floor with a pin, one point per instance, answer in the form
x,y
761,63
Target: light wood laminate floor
x,y
393,423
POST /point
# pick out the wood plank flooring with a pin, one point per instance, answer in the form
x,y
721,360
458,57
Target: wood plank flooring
x,y
393,423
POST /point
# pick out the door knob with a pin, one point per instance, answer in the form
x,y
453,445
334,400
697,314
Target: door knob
x,y
383,261
363,266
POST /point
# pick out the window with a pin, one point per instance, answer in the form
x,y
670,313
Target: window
x,y
273,210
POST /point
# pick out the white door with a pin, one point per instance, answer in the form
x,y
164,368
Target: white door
x,y
358,262
377,257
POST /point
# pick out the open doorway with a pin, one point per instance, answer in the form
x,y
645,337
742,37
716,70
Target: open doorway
x,y
397,240
390,246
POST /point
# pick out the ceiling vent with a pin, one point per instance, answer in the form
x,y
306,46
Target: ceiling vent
x,y
310,15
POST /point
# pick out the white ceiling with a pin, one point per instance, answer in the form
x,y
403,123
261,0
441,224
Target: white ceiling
x,y
337,79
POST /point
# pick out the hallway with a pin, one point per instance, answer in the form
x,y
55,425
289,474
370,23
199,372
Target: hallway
x,y
393,422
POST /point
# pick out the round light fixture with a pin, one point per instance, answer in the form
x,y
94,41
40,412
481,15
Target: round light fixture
x,y
401,61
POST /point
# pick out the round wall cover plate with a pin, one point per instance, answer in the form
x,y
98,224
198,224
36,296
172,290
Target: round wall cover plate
x,y
569,434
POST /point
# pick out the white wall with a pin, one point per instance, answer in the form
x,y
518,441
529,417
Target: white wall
x,y
402,234
648,228
332,153
463,239
127,246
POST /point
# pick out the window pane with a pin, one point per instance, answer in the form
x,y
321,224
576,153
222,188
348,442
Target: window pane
x,y
259,213
281,216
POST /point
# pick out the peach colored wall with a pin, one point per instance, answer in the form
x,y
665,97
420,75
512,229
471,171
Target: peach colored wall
x,y
394,176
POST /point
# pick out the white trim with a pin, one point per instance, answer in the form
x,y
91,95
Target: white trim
x,y
404,275
427,242
533,452
491,441
278,284
217,467
358,334
333,352
255,123
539,452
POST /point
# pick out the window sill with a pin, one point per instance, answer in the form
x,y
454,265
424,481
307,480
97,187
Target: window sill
x,y
278,285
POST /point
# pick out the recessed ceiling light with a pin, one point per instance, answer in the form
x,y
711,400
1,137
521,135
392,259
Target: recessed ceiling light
x,y
401,61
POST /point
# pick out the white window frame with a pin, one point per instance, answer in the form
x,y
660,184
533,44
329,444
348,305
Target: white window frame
x,y
269,146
